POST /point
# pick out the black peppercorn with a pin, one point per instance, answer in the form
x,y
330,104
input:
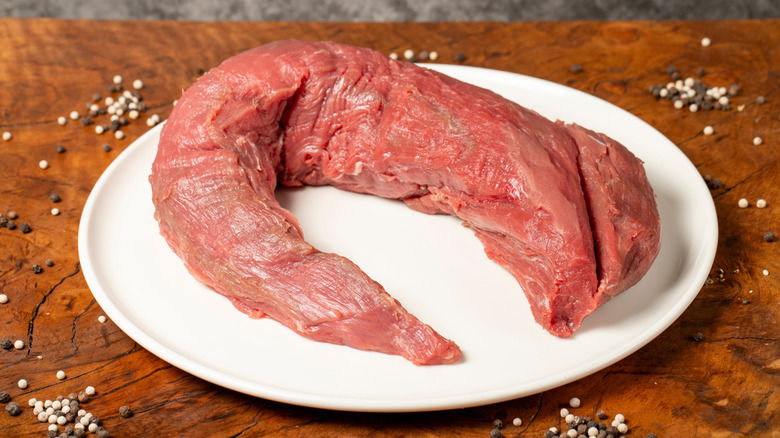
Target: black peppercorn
x,y
13,409
125,412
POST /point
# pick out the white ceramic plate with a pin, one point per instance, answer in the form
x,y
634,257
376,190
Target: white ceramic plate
x,y
432,264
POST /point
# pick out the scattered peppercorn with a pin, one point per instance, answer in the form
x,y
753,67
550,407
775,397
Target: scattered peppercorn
x,y
6,343
25,227
199,71
769,236
760,100
10,225
13,409
698,336
106,147
125,411
714,184
37,269
460,57
600,414
55,198
692,93
495,433
576,68
11,215
60,149
5,397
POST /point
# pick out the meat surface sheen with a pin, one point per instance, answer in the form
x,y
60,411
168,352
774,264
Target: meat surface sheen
x,y
319,113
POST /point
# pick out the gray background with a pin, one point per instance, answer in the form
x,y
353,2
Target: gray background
x,y
392,10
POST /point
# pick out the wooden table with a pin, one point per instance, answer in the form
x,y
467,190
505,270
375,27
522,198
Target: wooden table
x,y
714,372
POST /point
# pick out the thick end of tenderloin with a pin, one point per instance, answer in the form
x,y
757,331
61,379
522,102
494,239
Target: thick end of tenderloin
x,y
624,218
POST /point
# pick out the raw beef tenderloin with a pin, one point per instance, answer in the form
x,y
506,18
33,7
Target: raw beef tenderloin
x,y
535,192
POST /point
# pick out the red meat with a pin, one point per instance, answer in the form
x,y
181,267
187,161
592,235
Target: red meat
x,y
298,113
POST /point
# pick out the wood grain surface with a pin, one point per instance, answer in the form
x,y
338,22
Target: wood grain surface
x,y
713,373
